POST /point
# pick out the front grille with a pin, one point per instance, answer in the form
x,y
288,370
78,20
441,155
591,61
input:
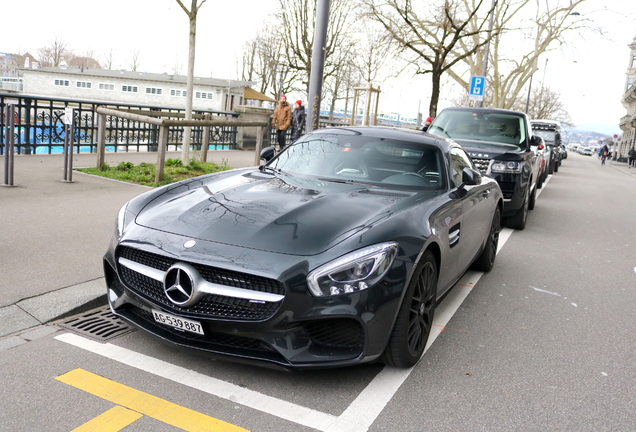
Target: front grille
x,y
336,333
210,306
220,339
482,164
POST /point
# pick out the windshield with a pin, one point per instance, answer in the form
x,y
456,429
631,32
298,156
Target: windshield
x,y
350,156
548,136
500,128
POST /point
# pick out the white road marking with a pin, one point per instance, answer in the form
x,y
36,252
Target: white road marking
x,y
358,417
547,292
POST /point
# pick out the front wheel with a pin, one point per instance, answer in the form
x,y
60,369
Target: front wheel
x,y
415,317
486,259
518,220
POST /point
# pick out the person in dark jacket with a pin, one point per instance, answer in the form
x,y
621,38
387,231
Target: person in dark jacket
x,y
631,160
282,120
427,124
298,121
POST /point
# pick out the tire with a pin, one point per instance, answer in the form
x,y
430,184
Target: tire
x,y
415,317
556,166
533,199
540,181
551,168
486,259
518,221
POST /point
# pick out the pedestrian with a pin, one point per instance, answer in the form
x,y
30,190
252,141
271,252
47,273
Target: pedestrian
x,y
631,159
427,123
604,153
298,121
282,120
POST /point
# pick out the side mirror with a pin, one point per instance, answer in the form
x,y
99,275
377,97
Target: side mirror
x,y
535,140
268,153
470,177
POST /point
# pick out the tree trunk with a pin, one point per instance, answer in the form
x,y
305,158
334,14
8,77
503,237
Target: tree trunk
x,y
436,77
185,146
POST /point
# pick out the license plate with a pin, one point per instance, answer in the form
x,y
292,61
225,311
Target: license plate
x,y
178,322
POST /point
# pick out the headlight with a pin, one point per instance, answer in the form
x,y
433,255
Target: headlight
x,y
353,272
123,219
506,167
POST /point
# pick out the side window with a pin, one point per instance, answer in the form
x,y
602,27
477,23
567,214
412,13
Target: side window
x,y
458,161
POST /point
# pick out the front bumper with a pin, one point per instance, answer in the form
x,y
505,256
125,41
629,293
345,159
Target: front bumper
x,y
299,331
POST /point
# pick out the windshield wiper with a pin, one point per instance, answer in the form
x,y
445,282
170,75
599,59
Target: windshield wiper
x,y
345,181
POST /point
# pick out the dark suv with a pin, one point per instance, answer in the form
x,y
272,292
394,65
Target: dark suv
x,y
550,131
500,143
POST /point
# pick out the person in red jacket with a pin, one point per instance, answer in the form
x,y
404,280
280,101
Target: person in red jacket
x,y
282,120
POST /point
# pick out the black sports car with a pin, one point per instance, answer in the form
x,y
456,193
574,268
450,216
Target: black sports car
x,y
335,252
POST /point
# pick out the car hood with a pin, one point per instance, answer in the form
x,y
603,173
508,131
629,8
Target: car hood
x,y
280,213
490,150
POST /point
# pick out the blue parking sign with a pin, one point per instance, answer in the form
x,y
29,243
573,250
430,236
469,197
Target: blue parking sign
x,y
476,88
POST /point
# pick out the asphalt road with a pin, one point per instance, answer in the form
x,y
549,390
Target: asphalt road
x,y
544,342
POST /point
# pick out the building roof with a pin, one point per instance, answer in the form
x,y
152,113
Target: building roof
x,y
254,95
156,77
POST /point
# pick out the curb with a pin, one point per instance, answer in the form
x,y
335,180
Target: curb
x,y
52,306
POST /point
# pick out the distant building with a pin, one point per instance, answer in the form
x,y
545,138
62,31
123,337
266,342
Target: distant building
x,y
628,122
141,88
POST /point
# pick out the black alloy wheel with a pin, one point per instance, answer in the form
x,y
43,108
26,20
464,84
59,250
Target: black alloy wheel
x,y
486,259
415,318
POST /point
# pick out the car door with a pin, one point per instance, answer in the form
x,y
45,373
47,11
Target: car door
x,y
476,212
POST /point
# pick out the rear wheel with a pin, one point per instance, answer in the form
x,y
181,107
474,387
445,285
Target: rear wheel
x,y
486,259
415,318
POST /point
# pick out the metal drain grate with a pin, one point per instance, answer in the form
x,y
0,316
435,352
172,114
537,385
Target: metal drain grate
x,y
99,324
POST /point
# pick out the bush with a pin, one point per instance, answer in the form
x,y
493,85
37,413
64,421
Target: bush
x,y
173,163
125,166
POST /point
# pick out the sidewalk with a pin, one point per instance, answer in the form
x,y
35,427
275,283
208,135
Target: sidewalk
x,y
53,234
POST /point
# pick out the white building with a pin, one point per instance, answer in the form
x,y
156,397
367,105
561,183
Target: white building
x,y
138,88
628,122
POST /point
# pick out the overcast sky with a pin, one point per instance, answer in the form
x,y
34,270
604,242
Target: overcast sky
x,y
589,72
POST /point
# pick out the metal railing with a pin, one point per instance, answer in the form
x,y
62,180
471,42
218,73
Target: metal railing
x,y
38,126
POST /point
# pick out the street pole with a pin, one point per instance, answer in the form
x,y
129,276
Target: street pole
x,y
484,70
318,63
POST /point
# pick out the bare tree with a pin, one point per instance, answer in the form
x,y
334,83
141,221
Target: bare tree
x,y
192,17
514,64
544,103
134,60
55,53
295,27
262,62
108,59
429,38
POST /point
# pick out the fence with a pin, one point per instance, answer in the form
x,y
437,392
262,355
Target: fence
x,y
38,126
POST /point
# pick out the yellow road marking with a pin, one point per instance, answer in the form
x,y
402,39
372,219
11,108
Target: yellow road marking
x,y
113,420
145,404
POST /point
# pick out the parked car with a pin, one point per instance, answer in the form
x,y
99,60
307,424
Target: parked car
x,y
335,252
586,151
500,143
550,131
543,153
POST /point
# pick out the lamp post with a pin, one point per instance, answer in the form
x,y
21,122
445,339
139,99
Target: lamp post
x,y
484,70
318,64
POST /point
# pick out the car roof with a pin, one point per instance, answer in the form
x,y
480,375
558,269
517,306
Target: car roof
x,y
547,122
485,110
